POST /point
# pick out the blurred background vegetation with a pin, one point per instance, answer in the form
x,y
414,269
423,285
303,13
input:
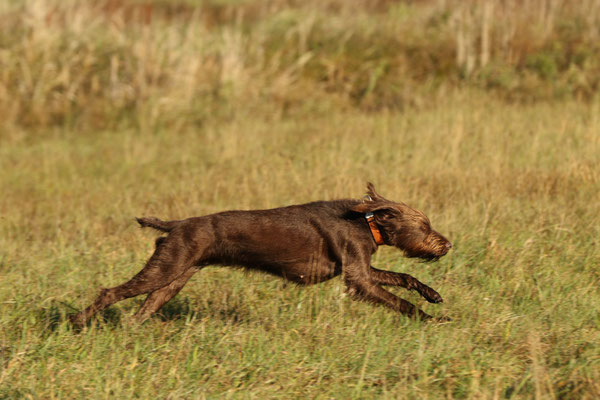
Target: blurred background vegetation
x,y
178,63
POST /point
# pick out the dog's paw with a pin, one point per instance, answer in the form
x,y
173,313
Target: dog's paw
x,y
422,316
431,295
77,321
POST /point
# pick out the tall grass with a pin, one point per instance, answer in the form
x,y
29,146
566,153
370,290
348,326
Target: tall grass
x,y
112,110
157,63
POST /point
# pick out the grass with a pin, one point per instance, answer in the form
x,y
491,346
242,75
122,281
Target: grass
x,y
515,188
159,64
514,184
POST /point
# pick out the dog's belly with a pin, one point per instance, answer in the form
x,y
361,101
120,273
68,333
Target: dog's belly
x,y
305,272
302,273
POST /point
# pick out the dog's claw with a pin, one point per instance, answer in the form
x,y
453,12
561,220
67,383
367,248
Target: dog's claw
x,y
436,299
431,296
77,322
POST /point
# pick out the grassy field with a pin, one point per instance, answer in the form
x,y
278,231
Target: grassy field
x,y
109,116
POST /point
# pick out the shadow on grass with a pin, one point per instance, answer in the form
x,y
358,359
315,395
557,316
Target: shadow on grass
x,y
184,309
58,312
52,316
179,309
9,393
176,309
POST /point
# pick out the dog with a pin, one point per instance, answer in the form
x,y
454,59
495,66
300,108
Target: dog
x,y
305,244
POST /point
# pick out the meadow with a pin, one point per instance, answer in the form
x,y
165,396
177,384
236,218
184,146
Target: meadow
x,y
484,115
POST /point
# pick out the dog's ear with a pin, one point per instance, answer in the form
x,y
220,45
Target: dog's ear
x,y
372,193
374,202
372,206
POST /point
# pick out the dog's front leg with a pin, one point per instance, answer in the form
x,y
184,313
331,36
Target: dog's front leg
x,y
376,294
361,287
406,281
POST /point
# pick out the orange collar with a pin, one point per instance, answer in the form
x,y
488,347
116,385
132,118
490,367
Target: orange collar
x,y
374,228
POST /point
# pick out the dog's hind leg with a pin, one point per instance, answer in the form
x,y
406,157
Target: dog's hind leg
x,y
160,297
170,260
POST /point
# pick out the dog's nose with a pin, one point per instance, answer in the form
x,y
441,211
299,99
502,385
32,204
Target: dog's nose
x,y
448,245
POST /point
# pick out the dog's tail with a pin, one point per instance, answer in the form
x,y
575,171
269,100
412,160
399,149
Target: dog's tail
x,y
165,226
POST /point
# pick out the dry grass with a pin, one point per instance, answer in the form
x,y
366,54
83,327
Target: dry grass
x,y
171,109
515,188
177,64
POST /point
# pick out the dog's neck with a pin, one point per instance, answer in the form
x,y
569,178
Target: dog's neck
x,y
370,217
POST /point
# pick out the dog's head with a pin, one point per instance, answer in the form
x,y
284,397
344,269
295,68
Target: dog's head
x,y
404,227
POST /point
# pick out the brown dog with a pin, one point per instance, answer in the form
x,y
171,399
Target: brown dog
x,y
306,244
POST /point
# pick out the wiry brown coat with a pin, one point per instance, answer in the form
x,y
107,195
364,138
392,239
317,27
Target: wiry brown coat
x,y
306,244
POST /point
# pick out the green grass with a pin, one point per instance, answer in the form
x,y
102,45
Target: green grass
x,y
514,187
105,116
174,64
